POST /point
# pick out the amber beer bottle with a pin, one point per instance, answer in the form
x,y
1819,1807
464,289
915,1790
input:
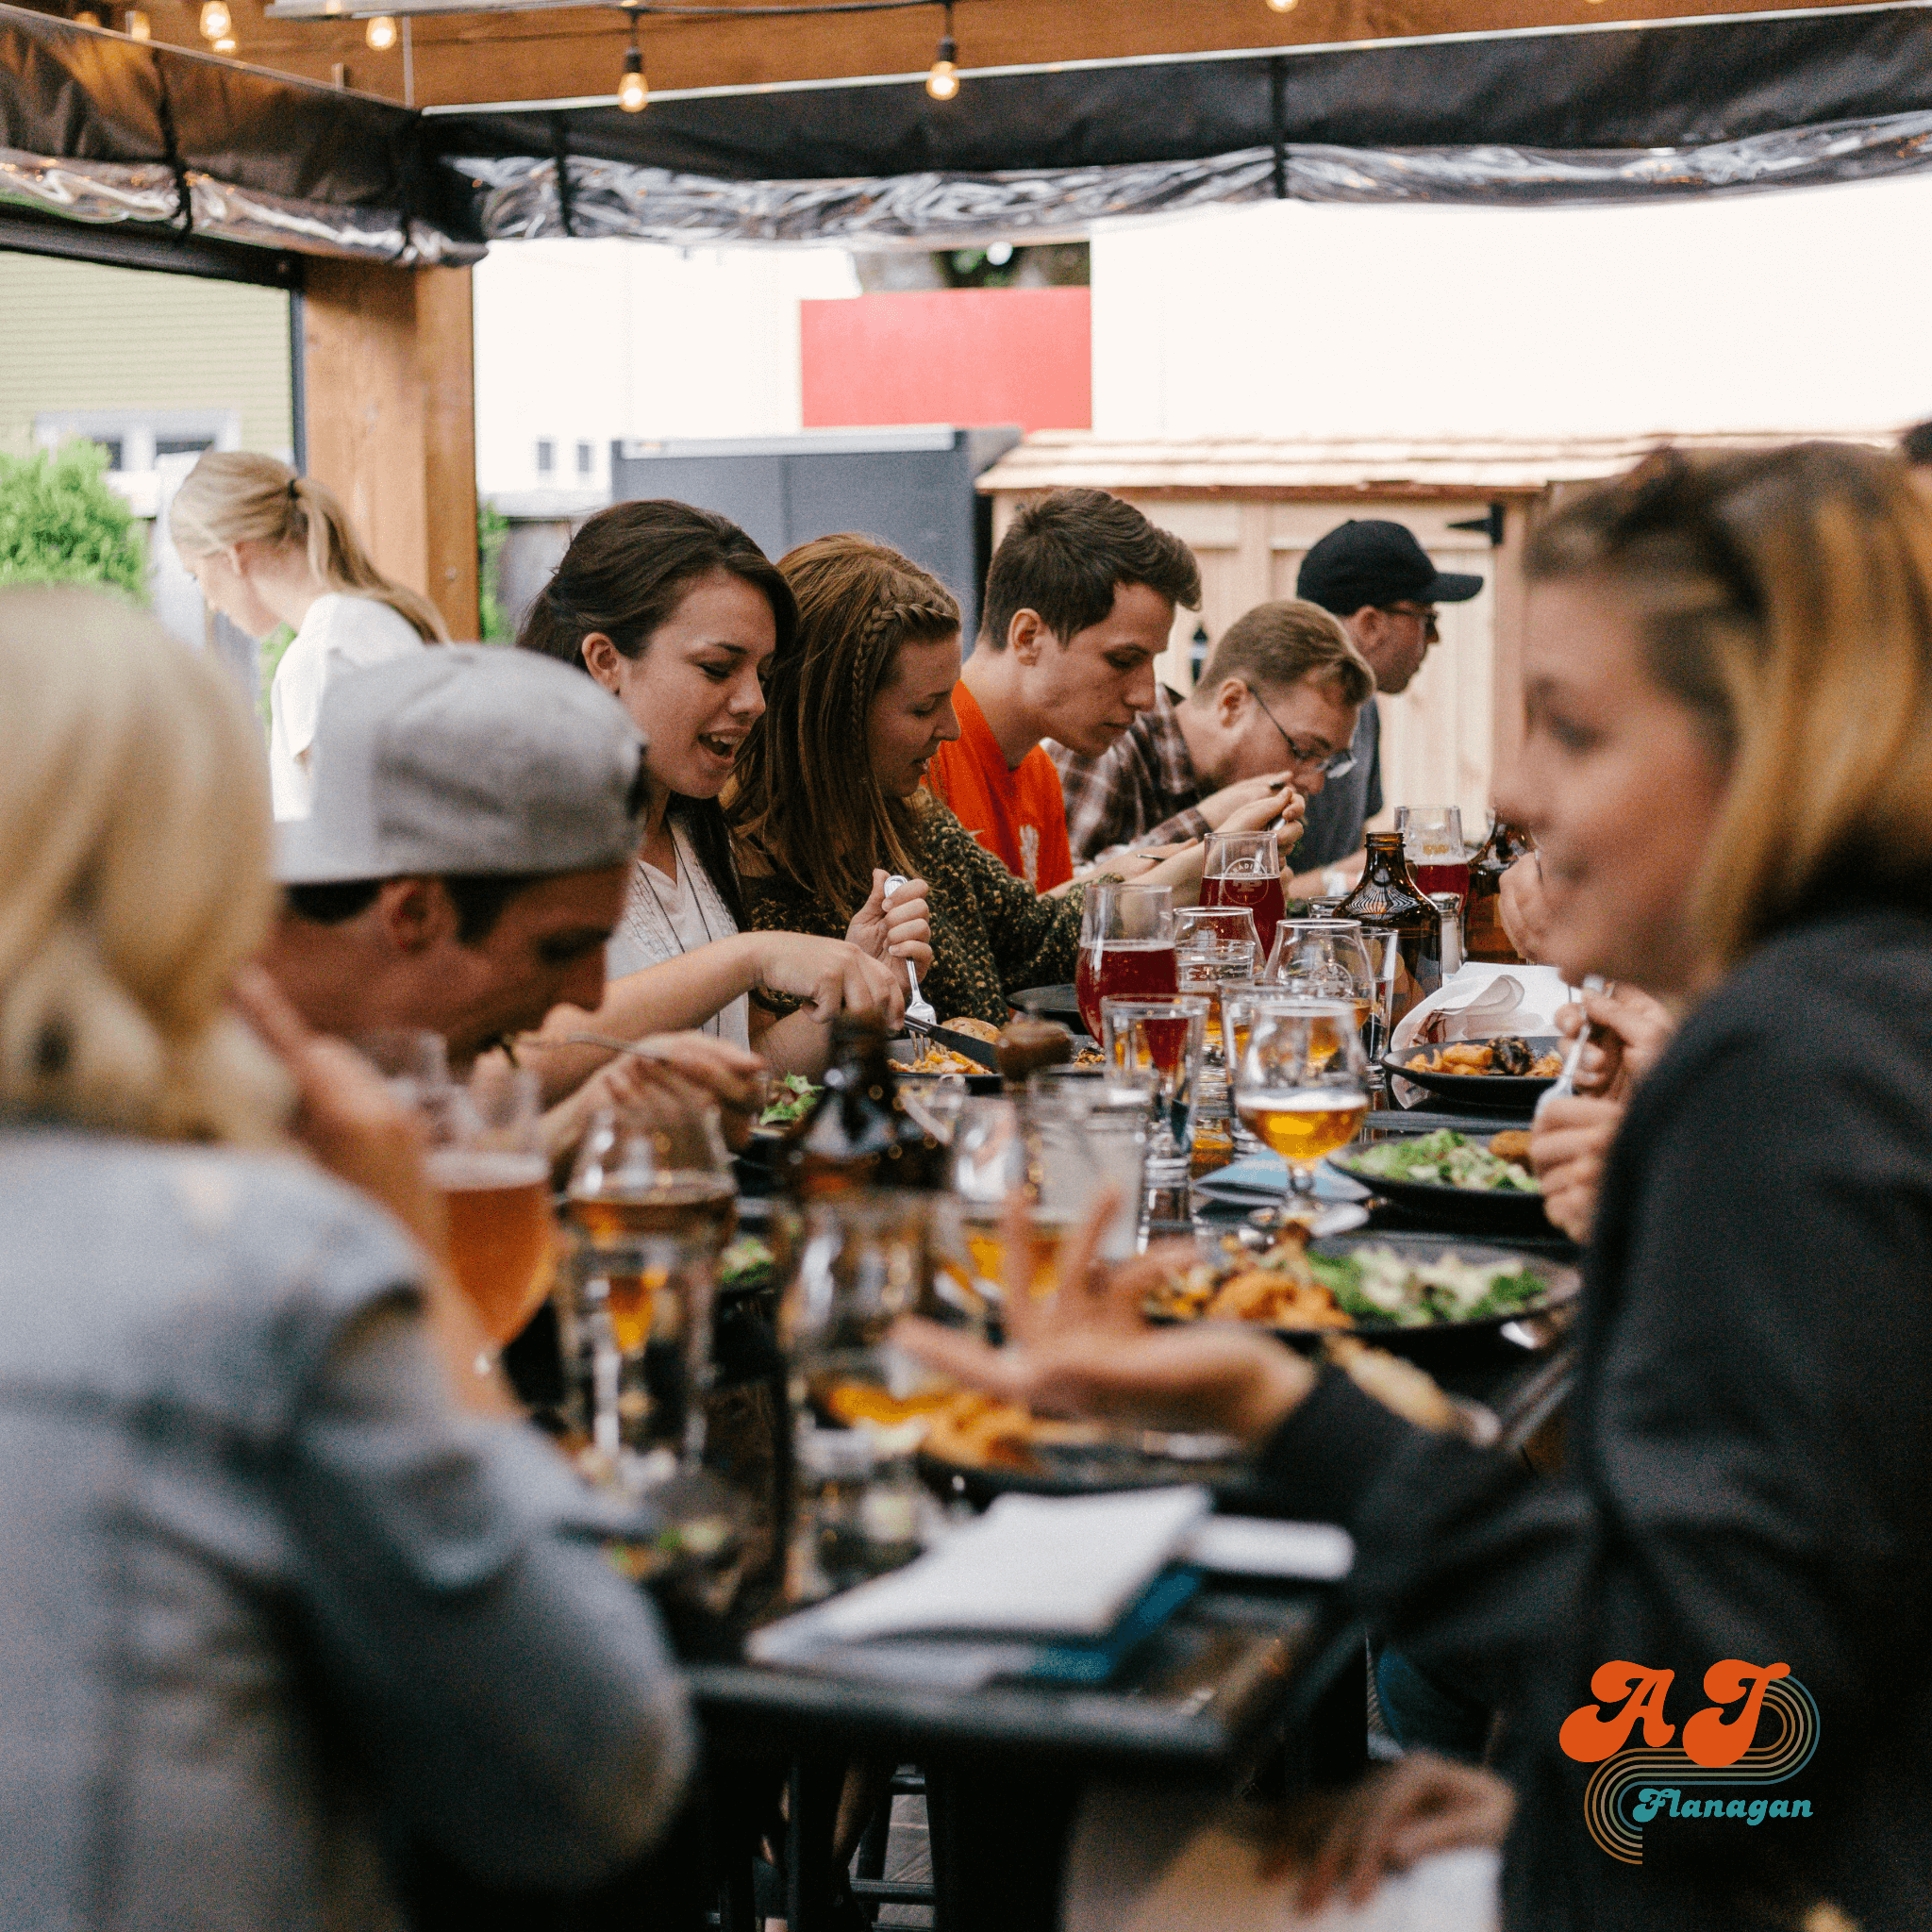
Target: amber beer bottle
x,y
1483,937
859,1135
1390,900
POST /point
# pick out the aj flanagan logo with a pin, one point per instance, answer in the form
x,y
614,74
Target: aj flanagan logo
x,y
1634,1783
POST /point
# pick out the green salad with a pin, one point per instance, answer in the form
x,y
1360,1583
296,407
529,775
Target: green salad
x,y
1444,1159
795,1096
746,1264
1379,1287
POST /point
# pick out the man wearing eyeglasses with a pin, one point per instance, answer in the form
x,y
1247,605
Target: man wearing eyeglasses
x,y
1269,724
1379,581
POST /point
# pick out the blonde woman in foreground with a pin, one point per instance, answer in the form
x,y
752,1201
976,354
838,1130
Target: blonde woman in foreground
x,y
285,1581
268,548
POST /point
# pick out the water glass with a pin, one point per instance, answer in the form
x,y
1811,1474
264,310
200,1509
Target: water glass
x,y
1086,1135
1165,1039
987,1168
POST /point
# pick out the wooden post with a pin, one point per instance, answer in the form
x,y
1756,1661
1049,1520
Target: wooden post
x,y
390,403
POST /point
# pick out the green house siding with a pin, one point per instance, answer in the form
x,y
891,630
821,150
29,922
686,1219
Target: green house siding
x,y
77,335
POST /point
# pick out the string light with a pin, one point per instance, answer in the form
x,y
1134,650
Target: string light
x,y
380,33
217,24
633,90
225,44
1283,5
942,81
137,27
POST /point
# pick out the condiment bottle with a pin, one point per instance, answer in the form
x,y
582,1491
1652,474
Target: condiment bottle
x,y
859,1134
1483,937
1390,900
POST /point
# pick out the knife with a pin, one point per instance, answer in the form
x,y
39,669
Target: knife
x,y
978,1051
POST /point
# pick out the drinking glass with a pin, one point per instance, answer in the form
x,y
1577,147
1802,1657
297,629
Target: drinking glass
x,y
414,1062
1432,843
1326,958
987,1166
1127,948
1303,1086
1195,926
1163,1038
651,1204
1244,869
1205,965
1085,1135
860,1404
487,1160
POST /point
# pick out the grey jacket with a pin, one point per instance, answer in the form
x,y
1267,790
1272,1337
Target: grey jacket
x,y
264,1598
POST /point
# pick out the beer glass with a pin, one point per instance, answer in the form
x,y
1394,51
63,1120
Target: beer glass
x,y
1302,1086
1326,958
487,1160
1244,869
651,1204
414,1061
1432,843
1216,926
988,1168
1127,948
1163,1038
1086,1136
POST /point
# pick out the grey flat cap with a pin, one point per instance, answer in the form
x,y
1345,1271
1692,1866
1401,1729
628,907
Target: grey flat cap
x,y
466,759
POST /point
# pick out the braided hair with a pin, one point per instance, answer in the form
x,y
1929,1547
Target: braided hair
x,y
805,795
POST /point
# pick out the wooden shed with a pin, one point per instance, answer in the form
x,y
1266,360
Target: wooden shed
x,y
1251,507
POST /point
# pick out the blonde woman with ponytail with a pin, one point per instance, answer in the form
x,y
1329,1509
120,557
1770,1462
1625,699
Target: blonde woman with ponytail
x,y
268,548
228,1382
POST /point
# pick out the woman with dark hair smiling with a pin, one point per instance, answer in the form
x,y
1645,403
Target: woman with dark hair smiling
x,y
828,798
683,619
1728,767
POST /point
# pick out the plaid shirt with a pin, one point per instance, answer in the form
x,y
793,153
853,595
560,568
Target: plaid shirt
x,y
1141,792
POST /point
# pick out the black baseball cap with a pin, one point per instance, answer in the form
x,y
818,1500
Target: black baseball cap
x,y
1369,561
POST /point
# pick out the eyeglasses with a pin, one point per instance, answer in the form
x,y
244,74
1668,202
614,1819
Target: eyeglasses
x,y
1426,617
1337,764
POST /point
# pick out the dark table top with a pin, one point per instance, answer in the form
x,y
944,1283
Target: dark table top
x,y
1195,1703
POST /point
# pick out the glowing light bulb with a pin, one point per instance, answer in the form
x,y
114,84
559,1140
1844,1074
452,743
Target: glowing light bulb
x,y
380,33
216,22
1283,5
942,82
87,17
225,44
633,90
137,27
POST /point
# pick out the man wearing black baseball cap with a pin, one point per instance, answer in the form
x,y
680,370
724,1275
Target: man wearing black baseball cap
x,y
1379,581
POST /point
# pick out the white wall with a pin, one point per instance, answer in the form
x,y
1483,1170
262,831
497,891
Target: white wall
x,y
1802,310
587,341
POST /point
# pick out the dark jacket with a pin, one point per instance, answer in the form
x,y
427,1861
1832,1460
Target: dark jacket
x,y
1749,1451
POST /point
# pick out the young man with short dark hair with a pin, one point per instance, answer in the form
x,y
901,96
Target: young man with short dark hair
x,y
1079,603
1270,719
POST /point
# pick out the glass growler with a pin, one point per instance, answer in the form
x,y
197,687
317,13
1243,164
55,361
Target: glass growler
x,y
1483,937
1389,902
858,1135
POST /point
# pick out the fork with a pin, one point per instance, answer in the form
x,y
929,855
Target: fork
x,y
919,1010
1565,1083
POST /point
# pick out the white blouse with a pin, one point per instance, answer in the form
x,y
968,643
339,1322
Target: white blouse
x,y
664,917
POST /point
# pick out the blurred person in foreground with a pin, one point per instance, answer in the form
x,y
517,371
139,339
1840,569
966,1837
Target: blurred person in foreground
x,y
464,864
1080,596
1384,586
286,1582
678,615
1268,721
1728,671
829,790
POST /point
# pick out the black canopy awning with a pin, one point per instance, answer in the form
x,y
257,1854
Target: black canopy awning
x,y
96,128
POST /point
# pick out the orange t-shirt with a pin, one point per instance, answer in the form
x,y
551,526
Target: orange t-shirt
x,y
1019,815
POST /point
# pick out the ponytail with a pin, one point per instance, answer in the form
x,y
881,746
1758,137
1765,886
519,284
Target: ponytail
x,y
238,496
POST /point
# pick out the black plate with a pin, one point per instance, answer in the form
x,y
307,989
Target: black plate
x,y
901,1051
1073,1473
1495,1211
1051,1003
1436,1342
1503,1092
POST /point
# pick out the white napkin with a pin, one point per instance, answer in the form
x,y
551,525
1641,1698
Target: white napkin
x,y
1479,1002
1032,1566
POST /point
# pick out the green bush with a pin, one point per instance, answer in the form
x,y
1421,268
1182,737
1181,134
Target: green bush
x,y
492,526
59,522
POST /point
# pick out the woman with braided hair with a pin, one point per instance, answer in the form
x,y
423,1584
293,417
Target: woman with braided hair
x,y
829,797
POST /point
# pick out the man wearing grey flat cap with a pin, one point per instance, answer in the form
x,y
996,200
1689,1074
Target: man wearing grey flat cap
x,y
476,811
